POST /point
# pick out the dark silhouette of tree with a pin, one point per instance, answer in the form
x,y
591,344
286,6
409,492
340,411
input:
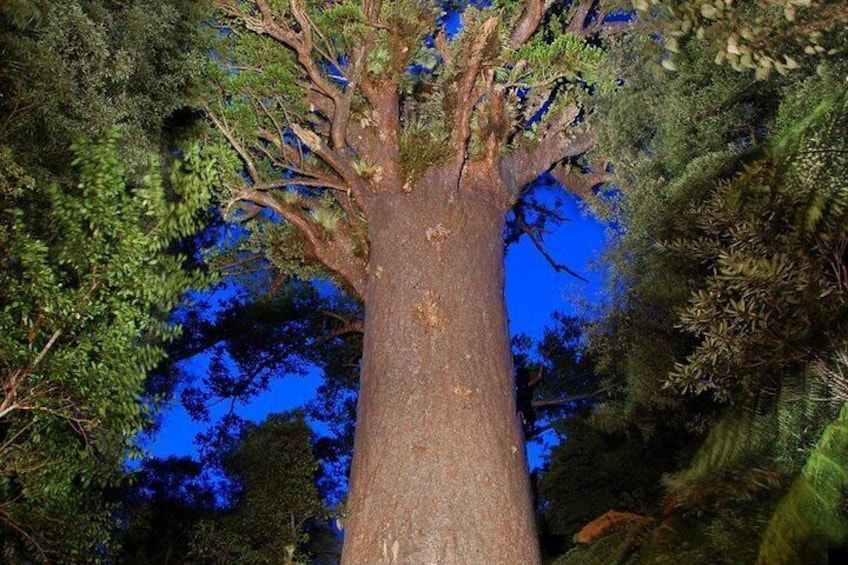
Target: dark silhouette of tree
x,y
164,502
276,499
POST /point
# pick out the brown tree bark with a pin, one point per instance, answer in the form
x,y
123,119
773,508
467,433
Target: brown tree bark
x,y
439,470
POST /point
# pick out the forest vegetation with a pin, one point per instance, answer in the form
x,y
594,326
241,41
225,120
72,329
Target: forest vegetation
x,y
279,186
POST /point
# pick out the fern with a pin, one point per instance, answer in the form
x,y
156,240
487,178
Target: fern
x,y
812,514
736,441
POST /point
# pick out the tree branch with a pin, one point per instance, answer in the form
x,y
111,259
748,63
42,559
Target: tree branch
x,y
348,326
533,234
580,183
534,11
525,165
336,252
577,21
337,162
12,523
301,42
553,402
242,152
465,101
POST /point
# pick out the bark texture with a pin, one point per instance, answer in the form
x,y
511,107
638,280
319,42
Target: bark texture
x,y
439,471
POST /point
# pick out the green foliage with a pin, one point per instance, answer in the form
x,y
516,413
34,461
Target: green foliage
x,y
739,487
701,110
670,158
771,239
85,290
567,55
276,471
811,515
763,35
421,145
729,286
74,69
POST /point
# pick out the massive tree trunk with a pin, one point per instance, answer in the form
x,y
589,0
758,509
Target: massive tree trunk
x,y
439,470
396,179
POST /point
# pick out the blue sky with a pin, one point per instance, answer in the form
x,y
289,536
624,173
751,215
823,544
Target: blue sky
x,y
533,291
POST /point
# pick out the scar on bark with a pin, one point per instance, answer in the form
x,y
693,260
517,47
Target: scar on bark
x,y
429,312
437,234
417,449
462,392
395,548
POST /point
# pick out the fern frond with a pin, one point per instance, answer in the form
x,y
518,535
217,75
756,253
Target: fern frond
x,y
738,440
813,513
834,375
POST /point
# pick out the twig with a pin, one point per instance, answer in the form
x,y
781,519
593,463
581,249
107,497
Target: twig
x,y
567,399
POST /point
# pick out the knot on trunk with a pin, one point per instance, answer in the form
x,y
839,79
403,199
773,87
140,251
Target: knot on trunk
x,y
429,312
437,234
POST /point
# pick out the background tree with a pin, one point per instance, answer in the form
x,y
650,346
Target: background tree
x,y
258,327
370,140
73,70
275,471
85,291
763,36
165,502
88,275
753,237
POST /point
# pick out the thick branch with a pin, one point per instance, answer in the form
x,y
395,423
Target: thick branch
x,y
467,81
577,22
301,42
525,165
337,252
291,213
341,100
336,161
578,182
534,11
378,141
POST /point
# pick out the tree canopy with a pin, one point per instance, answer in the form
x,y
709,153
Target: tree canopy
x,y
90,215
381,145
322,107
726,320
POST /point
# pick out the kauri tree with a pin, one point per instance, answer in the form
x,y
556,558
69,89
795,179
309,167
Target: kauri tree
x,y
374,143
